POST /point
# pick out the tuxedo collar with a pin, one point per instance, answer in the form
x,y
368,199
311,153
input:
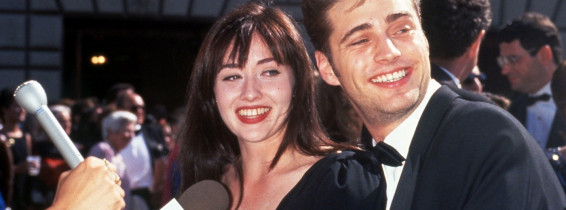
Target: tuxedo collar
x,y
433,115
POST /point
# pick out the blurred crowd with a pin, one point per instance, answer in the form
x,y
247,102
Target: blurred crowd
x,y
118,128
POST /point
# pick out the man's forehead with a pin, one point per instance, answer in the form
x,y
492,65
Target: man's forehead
x,y
348,6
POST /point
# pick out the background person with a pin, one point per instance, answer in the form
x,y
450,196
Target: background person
x,y
530,51
118,131
145,155
20,144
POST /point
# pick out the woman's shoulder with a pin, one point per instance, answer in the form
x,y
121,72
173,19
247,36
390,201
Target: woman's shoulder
x,y
101,150
343,180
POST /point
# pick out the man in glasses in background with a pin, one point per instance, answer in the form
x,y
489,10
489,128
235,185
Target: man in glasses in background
x,y
530,52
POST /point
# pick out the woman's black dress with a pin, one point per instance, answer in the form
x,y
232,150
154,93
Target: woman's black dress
x,y
346,180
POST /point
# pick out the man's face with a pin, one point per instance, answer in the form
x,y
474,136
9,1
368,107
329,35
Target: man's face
x,y
136,105
524,72
379,57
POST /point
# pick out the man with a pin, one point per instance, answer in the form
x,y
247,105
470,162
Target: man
x,y
454,30
145,154
459,154
530,51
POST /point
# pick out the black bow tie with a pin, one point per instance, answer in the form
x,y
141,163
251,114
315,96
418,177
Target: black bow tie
x,y
534,99
387,154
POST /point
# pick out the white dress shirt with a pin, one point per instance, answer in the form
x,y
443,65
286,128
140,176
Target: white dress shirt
x,y
540,116
138,162
400,138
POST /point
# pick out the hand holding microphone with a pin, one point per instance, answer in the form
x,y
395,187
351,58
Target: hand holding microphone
x,y
31,97
93,182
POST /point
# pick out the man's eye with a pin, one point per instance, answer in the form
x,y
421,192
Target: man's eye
x,y
361,41
405,29
513,59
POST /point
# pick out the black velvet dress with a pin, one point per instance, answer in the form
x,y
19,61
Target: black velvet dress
x,y
346,180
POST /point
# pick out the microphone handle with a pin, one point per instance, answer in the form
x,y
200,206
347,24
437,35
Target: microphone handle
x,y
58,136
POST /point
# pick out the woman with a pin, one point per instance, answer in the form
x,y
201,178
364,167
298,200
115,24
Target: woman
x,y
20,145
118,130
252,124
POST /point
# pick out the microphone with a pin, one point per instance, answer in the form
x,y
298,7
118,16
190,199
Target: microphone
x,y
32,98
204,195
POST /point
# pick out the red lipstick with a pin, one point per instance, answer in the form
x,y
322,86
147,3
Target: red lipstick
x,y
252,114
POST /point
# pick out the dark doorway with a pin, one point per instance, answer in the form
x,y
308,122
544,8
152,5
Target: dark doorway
x,y
154,56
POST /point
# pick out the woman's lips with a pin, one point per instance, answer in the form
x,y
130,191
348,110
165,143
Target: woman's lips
x,y
251,115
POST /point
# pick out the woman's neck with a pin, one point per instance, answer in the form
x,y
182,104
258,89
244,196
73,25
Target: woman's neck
x,y
257,157
12,129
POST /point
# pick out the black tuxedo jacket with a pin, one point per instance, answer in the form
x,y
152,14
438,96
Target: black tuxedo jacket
x,y
474,155
556,136
443,78
153,137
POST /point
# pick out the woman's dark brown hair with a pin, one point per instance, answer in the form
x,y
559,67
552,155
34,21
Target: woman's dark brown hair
x,y
207,145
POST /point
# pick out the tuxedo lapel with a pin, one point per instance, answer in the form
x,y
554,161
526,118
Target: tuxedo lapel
x,y
556,137
430,121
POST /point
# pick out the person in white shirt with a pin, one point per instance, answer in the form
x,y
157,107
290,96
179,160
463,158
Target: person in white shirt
x,y
118,131
145,155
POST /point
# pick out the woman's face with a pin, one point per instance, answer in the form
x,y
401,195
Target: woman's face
x,y
120,139
14,113
253,101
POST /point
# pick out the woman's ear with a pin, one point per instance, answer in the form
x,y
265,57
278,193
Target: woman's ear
x,y
325,69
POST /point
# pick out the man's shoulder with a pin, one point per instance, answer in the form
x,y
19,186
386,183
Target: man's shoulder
x,y
467,118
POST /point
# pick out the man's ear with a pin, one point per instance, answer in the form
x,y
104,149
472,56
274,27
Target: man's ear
x,y
545,55
475,47
325,69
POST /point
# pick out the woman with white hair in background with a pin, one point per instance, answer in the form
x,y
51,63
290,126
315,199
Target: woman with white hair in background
x,y
118,131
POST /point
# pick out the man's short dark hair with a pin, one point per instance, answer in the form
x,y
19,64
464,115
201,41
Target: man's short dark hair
x,y
318,25
533,30
451,26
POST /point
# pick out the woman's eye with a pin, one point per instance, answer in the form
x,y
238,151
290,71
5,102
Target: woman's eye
x,y
231,78
272,72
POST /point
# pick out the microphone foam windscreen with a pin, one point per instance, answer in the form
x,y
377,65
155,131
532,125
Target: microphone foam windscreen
x,y
205,195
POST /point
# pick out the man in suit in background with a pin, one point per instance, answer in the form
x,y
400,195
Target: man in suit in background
x,y
530,52
460,154
145,155
455,30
